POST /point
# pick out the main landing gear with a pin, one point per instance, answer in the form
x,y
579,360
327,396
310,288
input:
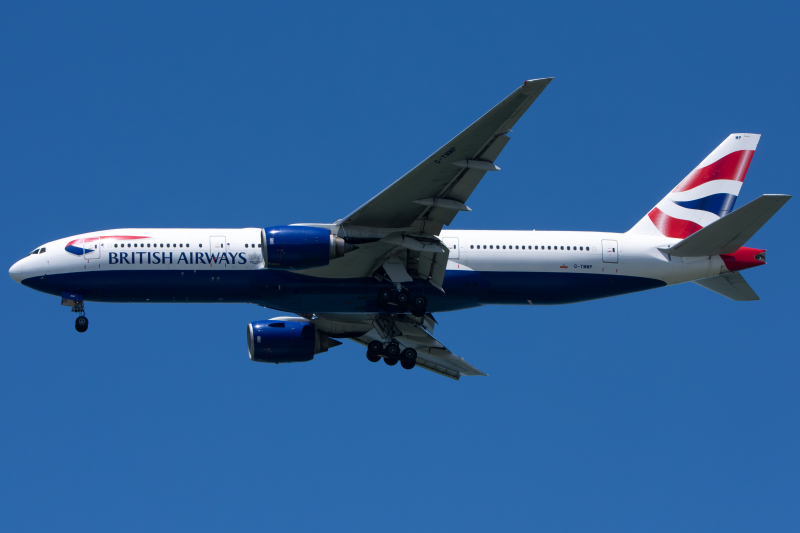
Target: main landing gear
x,y
404,300
391,354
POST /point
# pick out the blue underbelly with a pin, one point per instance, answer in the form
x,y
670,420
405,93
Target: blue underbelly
x,y
302,294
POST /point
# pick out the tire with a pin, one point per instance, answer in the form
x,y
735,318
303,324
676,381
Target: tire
x,y
419,302
384,296
407,364
375,348
392,350
402,298
389,361
373,358
81,324
410,355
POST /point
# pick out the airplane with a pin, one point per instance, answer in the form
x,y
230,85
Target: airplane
x,y
377,275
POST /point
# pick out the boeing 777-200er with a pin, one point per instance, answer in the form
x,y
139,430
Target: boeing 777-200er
x,y
376,275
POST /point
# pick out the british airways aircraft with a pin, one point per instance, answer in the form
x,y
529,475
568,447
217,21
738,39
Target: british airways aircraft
x,y
377,275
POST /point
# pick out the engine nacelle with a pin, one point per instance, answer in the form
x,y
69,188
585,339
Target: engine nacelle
x,y
276,341
299,247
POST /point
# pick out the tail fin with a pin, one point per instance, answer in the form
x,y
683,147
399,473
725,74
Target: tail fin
x,y
706,194
727,235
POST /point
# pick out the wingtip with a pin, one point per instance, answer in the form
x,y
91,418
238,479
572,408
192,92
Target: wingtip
x,y
543,80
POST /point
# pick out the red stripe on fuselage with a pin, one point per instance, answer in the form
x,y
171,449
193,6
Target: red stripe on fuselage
x,y
674,228
731,167
120,237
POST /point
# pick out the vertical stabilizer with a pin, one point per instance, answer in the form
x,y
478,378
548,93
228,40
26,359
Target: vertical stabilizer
x,y
706,194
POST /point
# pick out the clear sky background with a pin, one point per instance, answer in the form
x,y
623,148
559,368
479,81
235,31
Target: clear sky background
x,y
668,410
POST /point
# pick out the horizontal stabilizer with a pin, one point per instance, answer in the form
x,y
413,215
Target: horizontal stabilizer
x,y
731,232
731,285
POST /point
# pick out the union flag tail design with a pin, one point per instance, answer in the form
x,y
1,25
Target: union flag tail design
x,y
706,194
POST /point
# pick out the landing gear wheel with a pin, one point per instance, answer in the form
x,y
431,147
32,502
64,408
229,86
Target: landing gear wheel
x,y
375,348
81,324
373,358
408,365
389,361
418,305
393,350
384,296
402,298
410,355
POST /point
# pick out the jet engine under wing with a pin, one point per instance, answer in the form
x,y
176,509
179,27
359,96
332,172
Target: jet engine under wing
x,y
433,192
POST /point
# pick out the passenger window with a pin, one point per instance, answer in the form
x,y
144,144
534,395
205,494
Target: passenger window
x,y
129,245
115,246
201,246
245,245
471,247
562,247
259,246
567,247
484,246
504,247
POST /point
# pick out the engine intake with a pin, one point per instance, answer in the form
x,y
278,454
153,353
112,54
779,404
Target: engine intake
x,y
271,341
299,247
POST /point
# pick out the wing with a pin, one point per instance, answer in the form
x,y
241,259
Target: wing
x,y
433,192
408,331
397,231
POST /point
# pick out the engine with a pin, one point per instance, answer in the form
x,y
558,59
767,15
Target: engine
x,y
298,247
276,341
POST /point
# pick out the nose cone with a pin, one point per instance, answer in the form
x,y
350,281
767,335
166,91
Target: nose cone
x,y
16,271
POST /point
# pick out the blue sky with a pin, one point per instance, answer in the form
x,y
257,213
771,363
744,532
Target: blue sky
x,y
667,410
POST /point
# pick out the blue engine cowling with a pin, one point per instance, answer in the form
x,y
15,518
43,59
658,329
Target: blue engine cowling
x,y
277,341
299,247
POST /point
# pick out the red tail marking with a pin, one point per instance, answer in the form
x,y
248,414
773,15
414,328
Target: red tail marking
x,y
731,167
674,228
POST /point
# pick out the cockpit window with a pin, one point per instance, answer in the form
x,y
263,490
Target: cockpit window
x,y
36,251
42,250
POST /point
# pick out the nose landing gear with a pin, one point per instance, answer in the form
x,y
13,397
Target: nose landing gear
x,y
81,323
